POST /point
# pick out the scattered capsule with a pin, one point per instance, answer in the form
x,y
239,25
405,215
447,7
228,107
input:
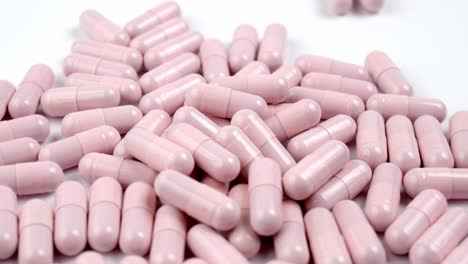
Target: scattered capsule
x,y
90,257
458,135
8,223
195,118
254,67
214,59
291,73
371,139
7,93
458,255
339,7
372,6
152,17
243,47
79,63
34,126
99,28
450,182
273,46
18,151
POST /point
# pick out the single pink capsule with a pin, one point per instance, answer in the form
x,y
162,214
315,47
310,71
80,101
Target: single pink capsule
x,y
338,83
152,17
458,135
34,126
71,216
195,118
315,169
100,28
273,46
243,47
79,63
339,7
36,244
197,200
254,67
169,234
90,257
133,259
5,96
362,241
207,244
18,151
345,185
458,255
371,139
214,59
291,73
451,182
417,217
372,6
222,187
325,240
340,127
105,202
25,100
8,223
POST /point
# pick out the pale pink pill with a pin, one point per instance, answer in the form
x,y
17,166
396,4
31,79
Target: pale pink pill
x,y
32,177
100,28
79,63
433,145
7,93
90,257
25,100
171,96
453,183
195,261
315,169
372,6
122,118
383,196
403,148
153,17
325,241
441,238
458,255
254,67
337,83
36,244
291,73
291,242
67,152
169,234
417,217
70,218
339,7
214,59
197,200
221,187
18,151
273,46
8,223
34,126
331,103
265,140
458,135
340,127
345,185
195,118
139,206
105,202
222,101
413,107
126,171
169,72
132,259
243,47
371,139
362,241
210,246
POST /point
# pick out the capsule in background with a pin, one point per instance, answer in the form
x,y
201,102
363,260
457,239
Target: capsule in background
x,y
33,126
7,93
372,6
79,63
222,187
371,139
8,223
214,59
89,257
99,28
18,151
339,7
243,47
152,17
273,46
254,67
195,118
458,135
451,182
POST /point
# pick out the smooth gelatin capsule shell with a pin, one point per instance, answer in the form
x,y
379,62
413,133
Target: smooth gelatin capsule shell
x,y
8,223
7,92
18,151
152,17
88,257
99,28
214,59
79,63
192,116
33,126
243,47
273,46
452,183
371,139
339,7
254,67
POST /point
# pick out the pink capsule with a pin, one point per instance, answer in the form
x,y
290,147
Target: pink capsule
x,y
139,205
7,93
413,107
458,255
195,261
325,241
34,126
169,234
243,47
207,244
458,135
403,148
195,118
71,215
8,223
451,182
90,257
315,169
105,202
25,100
32,177
152,17
99,28
197,200
339,7
259,133
254,67
361,239
133,259
222,187
417,217
18,151
371,139
291,73
291,242
441,238
78,63
214,59
345,185
340,127
273,46
67,152
36,245
221,122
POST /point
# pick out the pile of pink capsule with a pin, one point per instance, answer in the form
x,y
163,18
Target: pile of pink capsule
x,y
195,154
342,7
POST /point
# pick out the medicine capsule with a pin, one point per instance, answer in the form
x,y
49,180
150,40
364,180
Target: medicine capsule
x,y
254,67
403,148
361,239
18,151
71,216
458,135
25,100
197,200
132,259
345,185
169,234
195,118
7,93
152,17
413,107
339,7
450,182
371,139
383,196
8,223
372,6
207,244
67,152
99,28
243,47
273,46
36,245
433,146
291,73
34,126
214,59
139,206
340,127
79,63
417,217
441,238
122,118
105,202
325,240
338,83
221,187
458,255
273,109
90,257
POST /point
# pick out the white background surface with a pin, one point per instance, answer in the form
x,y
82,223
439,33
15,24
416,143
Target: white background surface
x,y
426,38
